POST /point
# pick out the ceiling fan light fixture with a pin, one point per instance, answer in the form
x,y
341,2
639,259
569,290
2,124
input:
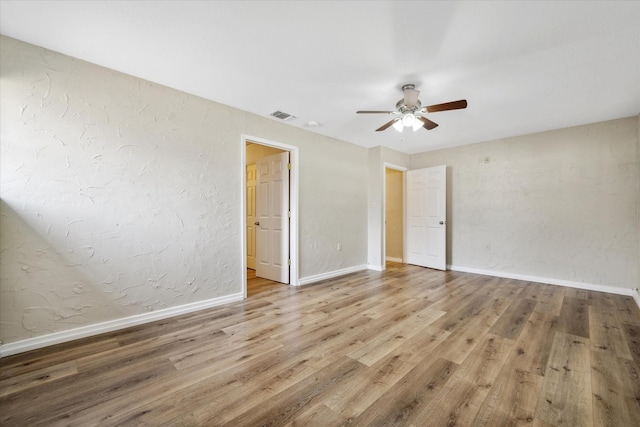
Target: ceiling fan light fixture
x,y
417,124
409,120
398,125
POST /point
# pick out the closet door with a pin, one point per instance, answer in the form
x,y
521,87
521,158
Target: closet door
x,y
426,217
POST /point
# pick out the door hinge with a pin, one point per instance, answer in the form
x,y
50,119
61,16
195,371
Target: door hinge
x,y
289,166
289,214
289,261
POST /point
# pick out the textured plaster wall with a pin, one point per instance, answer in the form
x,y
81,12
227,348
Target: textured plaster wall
x,y
333,206
120,197
559,204
394,213
374,223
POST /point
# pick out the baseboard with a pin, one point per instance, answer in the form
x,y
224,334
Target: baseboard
x,y
636,296
376,267
330,275
112,325
559,282
393,259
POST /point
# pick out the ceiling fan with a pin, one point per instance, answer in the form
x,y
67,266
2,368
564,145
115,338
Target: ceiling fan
x,y
409,111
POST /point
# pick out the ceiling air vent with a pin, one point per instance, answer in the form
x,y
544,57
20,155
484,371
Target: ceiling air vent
x,y
282,116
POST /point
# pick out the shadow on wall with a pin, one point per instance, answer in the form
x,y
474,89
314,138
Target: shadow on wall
x,y
31,304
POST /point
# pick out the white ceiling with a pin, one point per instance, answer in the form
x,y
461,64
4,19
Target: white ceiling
x,y
524,67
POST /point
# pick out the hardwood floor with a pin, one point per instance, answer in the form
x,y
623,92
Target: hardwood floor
x,y
408,346
257,285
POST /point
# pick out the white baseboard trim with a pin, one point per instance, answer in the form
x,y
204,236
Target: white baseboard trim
x,y
330,275
558,282
376,267
636,296
394,259
112,325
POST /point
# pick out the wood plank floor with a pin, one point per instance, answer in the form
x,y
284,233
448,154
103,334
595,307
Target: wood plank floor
x,y
409,346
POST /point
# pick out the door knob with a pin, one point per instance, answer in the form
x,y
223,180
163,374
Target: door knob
x,y
257,223
441,222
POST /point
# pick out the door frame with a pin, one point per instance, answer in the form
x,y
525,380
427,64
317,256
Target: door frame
x,y
293,206
402,169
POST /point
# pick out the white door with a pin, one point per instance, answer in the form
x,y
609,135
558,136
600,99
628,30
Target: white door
x,y
426,217
251,216
272,222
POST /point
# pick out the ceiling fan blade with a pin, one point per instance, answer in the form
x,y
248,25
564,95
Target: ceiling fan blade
x,y
373,112
454,105
427,124
386,125
411,97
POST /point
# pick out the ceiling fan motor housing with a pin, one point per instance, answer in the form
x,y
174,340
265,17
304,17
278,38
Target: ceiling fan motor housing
x,y
403,108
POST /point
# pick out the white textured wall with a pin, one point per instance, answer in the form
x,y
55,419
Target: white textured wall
x,y
333,200
374,222
121,197
559,204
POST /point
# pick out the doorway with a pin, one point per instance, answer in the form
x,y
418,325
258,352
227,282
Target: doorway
x,y
393,220
265,164
263,226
